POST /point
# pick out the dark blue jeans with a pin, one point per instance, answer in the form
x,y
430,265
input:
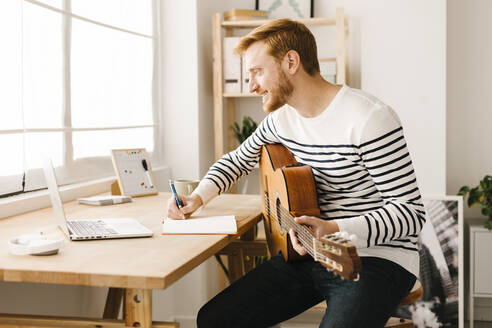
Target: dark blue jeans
x,y
277,291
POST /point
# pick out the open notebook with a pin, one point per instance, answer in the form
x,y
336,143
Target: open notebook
x,y
212,225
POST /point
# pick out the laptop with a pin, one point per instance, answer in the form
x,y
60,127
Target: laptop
x,y
87,229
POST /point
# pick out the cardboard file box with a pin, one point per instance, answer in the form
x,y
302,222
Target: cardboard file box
x,y
232,66
245,78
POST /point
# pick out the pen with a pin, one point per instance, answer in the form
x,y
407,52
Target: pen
x,y
146,168
175,194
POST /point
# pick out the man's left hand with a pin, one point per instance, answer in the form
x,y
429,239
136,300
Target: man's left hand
x,y
318,226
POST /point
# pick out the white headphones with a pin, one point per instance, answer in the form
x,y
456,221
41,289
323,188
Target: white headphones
x,y
34,244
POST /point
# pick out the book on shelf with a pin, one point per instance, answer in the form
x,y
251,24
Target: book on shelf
x,y
244,14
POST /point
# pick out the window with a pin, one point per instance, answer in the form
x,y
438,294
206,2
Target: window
x,y
78,79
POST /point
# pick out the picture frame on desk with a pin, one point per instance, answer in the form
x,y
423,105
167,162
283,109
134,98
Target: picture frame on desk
x,y
133,173
286,8
441,266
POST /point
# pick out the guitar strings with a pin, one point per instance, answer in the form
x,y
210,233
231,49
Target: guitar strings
x,y
303,235
291,224
307,237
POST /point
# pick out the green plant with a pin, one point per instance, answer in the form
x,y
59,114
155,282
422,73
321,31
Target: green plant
x,y
242,133
482,195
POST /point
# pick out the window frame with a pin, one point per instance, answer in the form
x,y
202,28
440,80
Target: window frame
x,y
70,171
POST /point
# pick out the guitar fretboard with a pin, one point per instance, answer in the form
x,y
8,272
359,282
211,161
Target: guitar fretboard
x,y
287,221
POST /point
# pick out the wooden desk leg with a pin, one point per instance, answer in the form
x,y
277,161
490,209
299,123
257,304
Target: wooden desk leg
x,y
113,303
248,261
236,264
138,308
249,235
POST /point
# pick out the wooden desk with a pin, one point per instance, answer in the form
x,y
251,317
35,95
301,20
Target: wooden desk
x,y
138,265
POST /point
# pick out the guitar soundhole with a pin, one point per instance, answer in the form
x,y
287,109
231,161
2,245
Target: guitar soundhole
x,y
278,215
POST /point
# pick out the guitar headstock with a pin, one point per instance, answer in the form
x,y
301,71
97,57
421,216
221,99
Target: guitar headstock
x,y
338,254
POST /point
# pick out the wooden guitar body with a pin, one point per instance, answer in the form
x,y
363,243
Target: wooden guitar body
x,y
285,186
288,190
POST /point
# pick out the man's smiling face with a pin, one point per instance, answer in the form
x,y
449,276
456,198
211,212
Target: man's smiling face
x,y
266,77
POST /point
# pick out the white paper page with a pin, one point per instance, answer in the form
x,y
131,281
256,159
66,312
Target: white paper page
x,y
206,225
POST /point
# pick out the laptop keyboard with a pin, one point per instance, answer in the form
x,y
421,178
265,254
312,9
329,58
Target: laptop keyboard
x,y
92,228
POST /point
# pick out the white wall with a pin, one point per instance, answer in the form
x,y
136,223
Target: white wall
x,y
469,109
180,87
398,53
469,96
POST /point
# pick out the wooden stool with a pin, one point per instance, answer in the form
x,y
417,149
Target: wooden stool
x,y
414,295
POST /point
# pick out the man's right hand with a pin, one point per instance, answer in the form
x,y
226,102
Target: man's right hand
x,y
190,204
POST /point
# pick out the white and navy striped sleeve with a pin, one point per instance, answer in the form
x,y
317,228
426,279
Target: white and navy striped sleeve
x,y
385,156
239,162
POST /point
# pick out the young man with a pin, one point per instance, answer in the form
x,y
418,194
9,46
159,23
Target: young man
x,y
365,184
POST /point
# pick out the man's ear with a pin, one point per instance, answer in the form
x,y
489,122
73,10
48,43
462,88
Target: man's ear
x,y
291,61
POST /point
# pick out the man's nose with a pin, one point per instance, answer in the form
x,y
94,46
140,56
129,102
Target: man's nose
x,y
253,86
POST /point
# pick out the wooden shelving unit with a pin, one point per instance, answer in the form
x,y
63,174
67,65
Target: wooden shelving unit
x,y
224,103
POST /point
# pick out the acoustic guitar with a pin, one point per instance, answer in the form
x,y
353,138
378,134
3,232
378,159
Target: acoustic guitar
x,y
288,190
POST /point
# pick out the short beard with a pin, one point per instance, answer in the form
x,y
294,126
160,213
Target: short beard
x,y
279,95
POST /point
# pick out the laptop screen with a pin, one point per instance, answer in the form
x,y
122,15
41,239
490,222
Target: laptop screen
x,y
49,174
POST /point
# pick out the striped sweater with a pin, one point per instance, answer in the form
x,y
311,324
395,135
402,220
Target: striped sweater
x,y
363,171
